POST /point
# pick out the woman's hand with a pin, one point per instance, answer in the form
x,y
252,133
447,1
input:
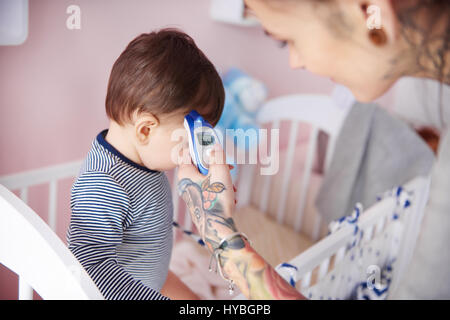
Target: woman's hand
x,y
210,199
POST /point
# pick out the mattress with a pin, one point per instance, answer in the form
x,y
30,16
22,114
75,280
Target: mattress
x,y
275,243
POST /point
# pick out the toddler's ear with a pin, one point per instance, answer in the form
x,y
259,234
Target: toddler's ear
x,y
144,125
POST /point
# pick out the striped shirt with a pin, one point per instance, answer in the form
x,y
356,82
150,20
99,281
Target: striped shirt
x,y
121,224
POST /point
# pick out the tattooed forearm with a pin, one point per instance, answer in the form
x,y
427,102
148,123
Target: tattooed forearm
x,y
206,210
251,273
255,277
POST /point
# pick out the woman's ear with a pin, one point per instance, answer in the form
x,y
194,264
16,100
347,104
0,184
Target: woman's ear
x,y
380,15
144,126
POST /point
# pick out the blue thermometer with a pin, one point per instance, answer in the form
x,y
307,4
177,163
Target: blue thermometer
x,y
202,139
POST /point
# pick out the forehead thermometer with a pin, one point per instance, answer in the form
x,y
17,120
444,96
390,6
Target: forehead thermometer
x,y
202,139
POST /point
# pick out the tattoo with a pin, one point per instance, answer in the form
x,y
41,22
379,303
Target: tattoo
x,y
256,278
251,273
207,211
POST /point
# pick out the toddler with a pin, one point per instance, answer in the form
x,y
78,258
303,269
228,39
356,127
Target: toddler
x,y
121,223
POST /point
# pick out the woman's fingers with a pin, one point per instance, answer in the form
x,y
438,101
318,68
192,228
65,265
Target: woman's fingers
x,y
218,169
220,172
189,171
218,183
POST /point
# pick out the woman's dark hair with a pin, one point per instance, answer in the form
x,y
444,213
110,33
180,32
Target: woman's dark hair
x,y
418,21
162,72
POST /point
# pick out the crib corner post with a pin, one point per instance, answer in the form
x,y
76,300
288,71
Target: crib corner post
x,y
25,290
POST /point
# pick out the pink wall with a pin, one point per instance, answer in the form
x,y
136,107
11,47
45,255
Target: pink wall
x,y
52,88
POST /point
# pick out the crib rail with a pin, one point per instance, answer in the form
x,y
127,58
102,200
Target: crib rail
x,y
51,175
316,264
38,256
337,242
376,222
47,175
23,181
41,175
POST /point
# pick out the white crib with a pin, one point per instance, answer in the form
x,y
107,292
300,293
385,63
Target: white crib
x,y
33,251
330,268
333,267
314,265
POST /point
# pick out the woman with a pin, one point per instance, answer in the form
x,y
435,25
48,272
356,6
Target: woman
x,y
336,39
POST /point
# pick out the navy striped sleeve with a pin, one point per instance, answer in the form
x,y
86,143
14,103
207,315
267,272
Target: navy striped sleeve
x,y
100,212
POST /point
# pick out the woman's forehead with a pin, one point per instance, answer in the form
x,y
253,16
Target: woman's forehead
x,y
278,16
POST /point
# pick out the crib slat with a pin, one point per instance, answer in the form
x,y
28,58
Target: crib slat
x,y
24,194
267,178
323,269
339,255
306,280
43,175
316,228
52,204
312,146
246,174
380,225
25,291
368,233
287,172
